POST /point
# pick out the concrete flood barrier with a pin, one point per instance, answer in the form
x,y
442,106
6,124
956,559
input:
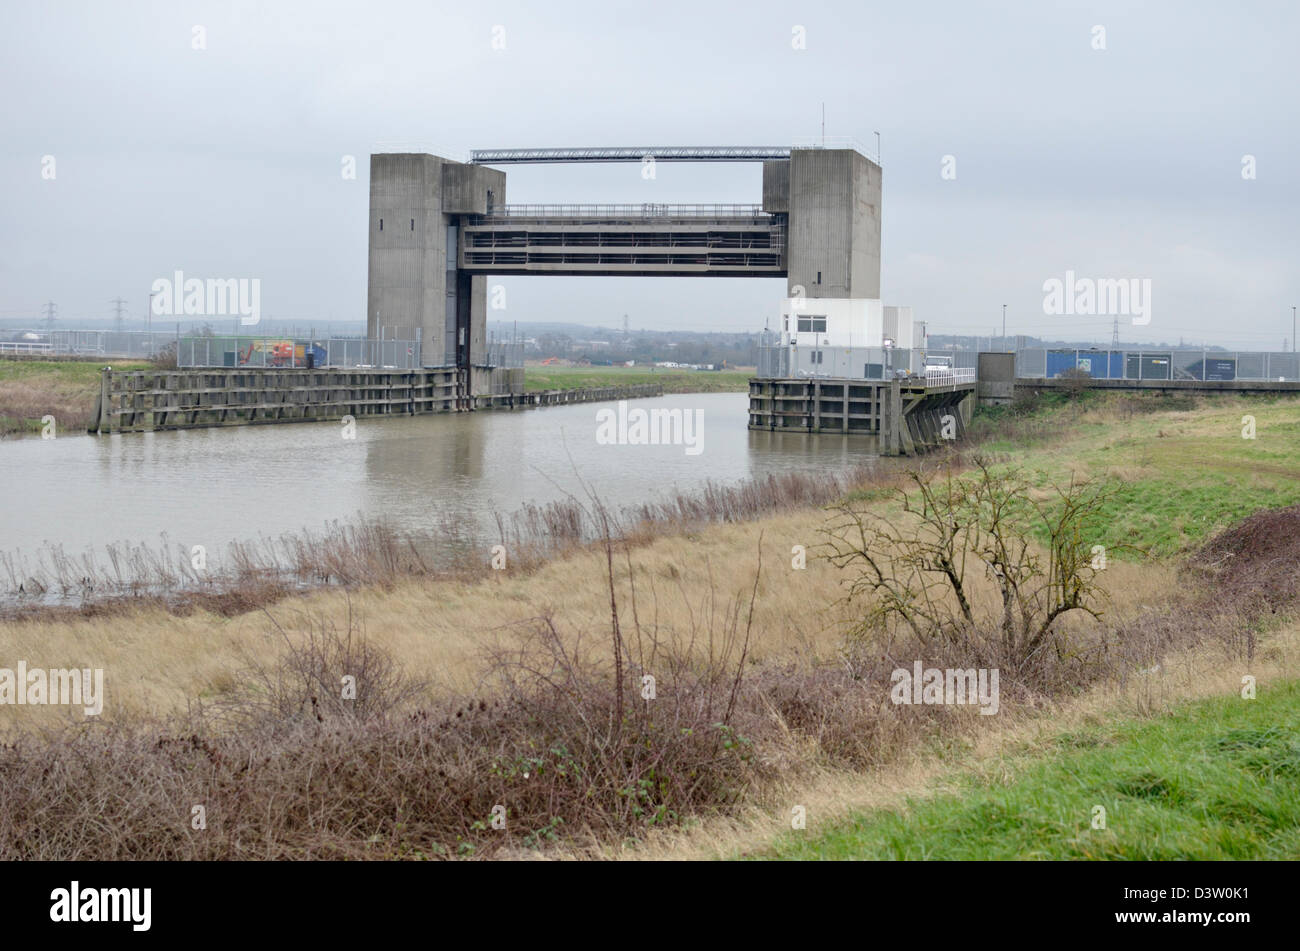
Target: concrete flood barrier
x,y
147,400
905,417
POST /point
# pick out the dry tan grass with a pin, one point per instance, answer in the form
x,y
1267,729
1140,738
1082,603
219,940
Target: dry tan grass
x,y
831,796
155,663
69,402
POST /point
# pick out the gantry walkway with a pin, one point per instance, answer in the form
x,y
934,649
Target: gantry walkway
x,y
644,239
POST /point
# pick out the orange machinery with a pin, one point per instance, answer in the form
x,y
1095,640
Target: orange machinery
x,y
279,353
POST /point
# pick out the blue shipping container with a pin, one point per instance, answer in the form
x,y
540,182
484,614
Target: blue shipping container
x,y
1100,364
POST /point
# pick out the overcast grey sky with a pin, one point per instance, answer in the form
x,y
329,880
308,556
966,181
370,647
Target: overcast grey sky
x,y
226,161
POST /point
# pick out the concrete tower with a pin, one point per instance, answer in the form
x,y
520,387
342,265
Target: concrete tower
x,y
414,284
831,198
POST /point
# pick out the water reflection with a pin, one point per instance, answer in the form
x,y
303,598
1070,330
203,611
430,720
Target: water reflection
x,y
213,486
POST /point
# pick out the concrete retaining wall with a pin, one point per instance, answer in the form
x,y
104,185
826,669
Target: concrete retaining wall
x,y
146,400
904,417
1167,386
996,373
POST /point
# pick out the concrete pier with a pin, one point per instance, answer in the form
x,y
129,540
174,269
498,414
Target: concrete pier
x,y
905,417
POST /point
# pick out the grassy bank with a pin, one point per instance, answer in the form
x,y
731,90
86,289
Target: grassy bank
x,y
64,389
516,687
1180,467
1206,780
673,381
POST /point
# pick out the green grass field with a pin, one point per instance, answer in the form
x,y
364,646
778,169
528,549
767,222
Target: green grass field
x,y
1215,779
674,381
1180,469
61,372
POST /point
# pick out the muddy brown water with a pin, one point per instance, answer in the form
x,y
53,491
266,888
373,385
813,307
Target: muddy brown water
x,y
214,486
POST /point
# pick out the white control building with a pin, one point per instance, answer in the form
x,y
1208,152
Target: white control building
x,y
849,322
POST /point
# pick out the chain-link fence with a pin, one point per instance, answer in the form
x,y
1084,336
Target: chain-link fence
x,y
1168,364
504,354
138,344
874,363
857,363
336,352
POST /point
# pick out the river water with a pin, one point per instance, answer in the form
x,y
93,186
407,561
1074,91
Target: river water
x,y
214,486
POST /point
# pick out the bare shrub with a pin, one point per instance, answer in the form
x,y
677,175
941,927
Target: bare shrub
x,y
165,358
1076,381
919,570
1027,403
325,674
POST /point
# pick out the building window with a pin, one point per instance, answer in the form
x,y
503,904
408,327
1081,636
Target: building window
x,y
819,277
381,224
412,224
815,325
817,356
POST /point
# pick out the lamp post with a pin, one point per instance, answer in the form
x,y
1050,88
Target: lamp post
x,y
1004,326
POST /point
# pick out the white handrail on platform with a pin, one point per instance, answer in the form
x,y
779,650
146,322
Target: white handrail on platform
x,y
23,346
947,376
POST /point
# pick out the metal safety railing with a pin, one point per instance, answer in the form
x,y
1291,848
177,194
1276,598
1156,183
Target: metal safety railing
x,y
113,343
139,344
835,142
644,210
948,376
24,346
634,153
